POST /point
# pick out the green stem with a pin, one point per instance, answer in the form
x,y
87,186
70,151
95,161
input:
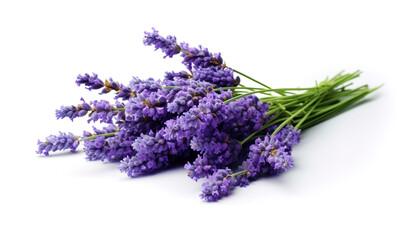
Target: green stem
x,y
95,136
253,92
292,116
307,114
337,108
254,80
239,173
235,88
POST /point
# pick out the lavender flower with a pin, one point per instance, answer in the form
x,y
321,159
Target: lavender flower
x,y
140,86
199,57
219,184
167,45
272,154
246,116
58,143
218,151
106,129
288,136
200,168
217,130
282,161
109,86
91,82
95,149
108,148
73,111
174,75
187,96
134,87
151,105
207,114
103,111
152,153
217,75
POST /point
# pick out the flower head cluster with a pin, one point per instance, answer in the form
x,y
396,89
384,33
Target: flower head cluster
x,y
193,57
55,143
216,129
107,148
73,111
217,75
153,152
100,110
199,57
91,82
167,45
176,78
272,154
218,185
110,85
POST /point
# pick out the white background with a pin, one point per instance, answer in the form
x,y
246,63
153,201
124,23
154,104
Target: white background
x,y
347,179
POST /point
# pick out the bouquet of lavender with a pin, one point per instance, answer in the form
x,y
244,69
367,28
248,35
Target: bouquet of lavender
x,y
221,130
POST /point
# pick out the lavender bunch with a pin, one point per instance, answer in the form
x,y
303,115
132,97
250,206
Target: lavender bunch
x,y
224,133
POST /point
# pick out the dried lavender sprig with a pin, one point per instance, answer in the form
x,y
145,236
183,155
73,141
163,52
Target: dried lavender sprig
x,y
123,92
199,57
167,45
64,141
93,82
74,111
221,77
101,109
108,145
218,185
58,143
271,155
153,152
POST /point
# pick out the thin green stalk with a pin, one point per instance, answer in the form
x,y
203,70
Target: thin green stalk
x,y
249,93
292,116
239,173
339,108
235,88
307,114
95,136
339,104
256,81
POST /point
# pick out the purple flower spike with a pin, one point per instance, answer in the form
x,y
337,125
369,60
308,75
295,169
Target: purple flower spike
x,y
91,82
200,168
272,155
152,153
288,136
199,57
167,45
73,111
58,143
283,161
109,86
219,185
103,111
108,148
144,86
217,75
